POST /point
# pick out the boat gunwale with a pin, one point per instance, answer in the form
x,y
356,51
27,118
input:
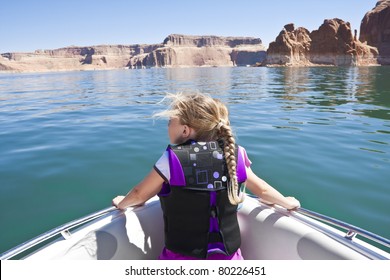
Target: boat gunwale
x,y
352,230
330,226
62,229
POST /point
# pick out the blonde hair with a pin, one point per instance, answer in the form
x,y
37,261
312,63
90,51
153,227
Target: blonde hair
x,y
209,117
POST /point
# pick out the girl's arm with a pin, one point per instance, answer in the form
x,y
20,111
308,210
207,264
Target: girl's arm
x,y
146,189
268,194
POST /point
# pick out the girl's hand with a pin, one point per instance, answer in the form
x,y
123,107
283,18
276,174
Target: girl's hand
x,y
293,203
117,200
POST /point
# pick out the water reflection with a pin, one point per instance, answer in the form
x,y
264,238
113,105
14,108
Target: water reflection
x,y
366,89
210,80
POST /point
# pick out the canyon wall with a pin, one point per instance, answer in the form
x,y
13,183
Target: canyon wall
x,y
190,51
375,30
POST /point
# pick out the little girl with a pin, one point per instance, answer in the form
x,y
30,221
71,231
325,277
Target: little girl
x,y
198,181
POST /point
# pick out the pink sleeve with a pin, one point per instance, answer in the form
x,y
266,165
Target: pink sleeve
x,y
242,153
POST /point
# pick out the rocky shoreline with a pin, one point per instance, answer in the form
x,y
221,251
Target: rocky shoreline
x,y
333,44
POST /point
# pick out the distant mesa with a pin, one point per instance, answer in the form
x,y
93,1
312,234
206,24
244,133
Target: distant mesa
x,y
175,51
189,51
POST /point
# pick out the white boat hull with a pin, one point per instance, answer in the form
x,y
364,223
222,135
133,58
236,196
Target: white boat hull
x,y
267,234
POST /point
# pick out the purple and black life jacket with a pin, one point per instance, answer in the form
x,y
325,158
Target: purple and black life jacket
x,y
198,217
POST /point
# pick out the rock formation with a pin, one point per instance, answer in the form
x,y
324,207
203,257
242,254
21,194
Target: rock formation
x,y
332,44
375,30
175,51
291,47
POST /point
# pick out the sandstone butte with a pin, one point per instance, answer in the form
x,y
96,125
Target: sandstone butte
x,y
332,44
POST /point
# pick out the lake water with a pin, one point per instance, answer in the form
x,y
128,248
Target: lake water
x,y
70,142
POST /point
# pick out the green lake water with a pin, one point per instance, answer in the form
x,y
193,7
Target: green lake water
x,y
71,141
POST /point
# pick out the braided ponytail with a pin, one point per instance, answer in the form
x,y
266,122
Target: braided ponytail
x,y
226,134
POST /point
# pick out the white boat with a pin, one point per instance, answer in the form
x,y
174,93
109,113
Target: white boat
x,y
268,233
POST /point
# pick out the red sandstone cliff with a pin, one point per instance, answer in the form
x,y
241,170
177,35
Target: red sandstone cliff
x,y
375,30
291,47
332,44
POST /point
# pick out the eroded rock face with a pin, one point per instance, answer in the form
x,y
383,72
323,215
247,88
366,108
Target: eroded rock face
x,y
175,51
291,47
332,44
375,30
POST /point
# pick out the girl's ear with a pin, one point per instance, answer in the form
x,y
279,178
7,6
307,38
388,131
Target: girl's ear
x,y
186,131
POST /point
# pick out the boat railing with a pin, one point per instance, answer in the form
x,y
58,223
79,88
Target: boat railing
x,y
352,230
63,230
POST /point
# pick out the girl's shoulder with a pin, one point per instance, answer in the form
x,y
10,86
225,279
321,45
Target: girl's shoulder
x,y
241,152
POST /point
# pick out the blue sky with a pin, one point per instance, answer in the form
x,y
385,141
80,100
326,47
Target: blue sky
x,y
28,25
